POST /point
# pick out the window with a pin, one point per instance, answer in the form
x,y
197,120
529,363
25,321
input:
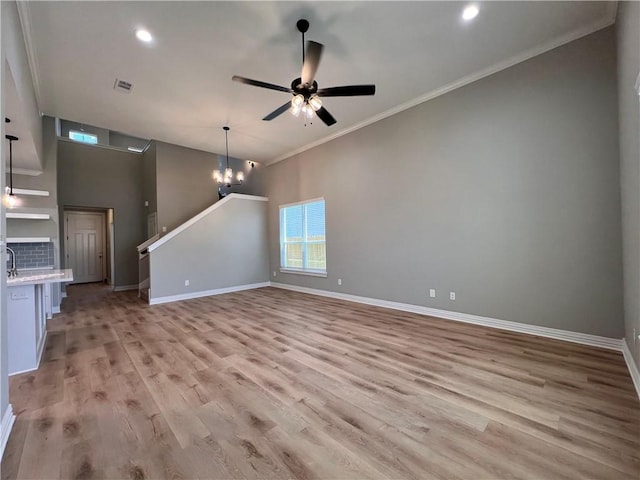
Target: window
x,y
302,238
83,137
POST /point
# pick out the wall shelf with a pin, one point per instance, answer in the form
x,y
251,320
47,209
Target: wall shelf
x,y
28,239
29,216
28,191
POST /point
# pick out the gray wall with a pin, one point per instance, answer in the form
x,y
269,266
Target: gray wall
x,y
149,193
505,191
628,24
16,56
211,261
97,177
185,186
121,140
13,53
4,151
45,181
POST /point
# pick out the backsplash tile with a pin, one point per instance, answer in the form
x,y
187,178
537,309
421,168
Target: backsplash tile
x,y
32,255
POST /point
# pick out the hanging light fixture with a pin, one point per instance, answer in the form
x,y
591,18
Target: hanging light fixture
x,y
226,178
11,199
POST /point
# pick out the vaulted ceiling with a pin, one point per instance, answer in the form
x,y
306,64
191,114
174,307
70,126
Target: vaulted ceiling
x,y
182,89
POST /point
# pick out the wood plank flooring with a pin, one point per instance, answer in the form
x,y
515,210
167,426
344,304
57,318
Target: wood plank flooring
x,y
273,384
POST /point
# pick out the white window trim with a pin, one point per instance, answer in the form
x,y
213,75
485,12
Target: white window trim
x,y
310,273
311,200
302,271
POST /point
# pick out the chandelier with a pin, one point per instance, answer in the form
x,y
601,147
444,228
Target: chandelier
x,y
226,178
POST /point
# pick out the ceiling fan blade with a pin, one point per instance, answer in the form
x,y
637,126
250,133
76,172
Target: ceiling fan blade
x,y
311,62
325,116
258,83
347,91
278,111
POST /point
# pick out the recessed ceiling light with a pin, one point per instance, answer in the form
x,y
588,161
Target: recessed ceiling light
x,y
470,12
143,35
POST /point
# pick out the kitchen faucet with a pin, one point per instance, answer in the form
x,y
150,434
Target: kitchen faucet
x,y
13,273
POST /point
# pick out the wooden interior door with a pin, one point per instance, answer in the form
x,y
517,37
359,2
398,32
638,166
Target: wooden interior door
x,y
85,245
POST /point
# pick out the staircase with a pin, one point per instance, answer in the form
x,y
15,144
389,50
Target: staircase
x,y
222,249
143,267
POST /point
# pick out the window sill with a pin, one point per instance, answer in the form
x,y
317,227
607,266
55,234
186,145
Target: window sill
x,y
309,273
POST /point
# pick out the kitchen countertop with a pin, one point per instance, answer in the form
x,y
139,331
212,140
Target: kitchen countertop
x,y
33,277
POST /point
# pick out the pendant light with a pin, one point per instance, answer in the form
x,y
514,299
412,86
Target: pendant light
x,y
226,178
11,199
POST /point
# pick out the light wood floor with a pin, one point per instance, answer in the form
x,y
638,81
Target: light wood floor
x,y
274,384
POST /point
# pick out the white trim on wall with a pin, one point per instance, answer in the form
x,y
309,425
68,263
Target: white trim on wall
x,y
29,191
205,293
631,365
575,337
6,425
124,288
26,171
28,216
27,33
28,239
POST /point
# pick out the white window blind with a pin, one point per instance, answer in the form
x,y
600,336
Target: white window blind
x,y
302,237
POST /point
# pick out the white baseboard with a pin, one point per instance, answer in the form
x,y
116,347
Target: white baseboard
x,y
206,293
27,370
566,335
55,310
631,365
40,348
124,288
5,427
619,345
575,337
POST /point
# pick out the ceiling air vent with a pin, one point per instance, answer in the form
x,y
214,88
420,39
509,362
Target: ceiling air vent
x,y
123,86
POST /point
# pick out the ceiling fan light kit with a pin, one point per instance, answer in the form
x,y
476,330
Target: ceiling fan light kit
x,y
306,95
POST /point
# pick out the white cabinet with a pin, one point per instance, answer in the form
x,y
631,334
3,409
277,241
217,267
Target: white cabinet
x,y
29,305
26,329
48,301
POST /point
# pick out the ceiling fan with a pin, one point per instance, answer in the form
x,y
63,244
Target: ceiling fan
x,y
305,91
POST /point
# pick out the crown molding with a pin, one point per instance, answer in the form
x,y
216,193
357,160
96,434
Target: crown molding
x,y
25,23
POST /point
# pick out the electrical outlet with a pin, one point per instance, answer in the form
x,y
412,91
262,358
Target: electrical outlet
x,y
186,283
164,229
432,292
339,281
452,295
274,273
